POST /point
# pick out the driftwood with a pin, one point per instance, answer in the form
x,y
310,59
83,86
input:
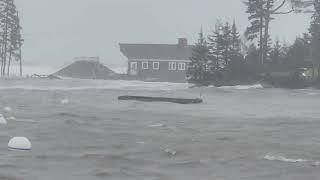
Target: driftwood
x,y
161,99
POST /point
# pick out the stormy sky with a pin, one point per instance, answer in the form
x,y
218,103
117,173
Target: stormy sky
x,y
56,31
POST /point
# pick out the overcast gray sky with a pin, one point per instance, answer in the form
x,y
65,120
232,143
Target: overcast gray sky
x,y
56,31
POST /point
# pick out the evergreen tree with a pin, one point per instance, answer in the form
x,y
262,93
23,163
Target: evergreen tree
x,y
315,41
277,53
260,15
198,70
267,19
306,6
252,55
216,48
235,42
255,30
227,45
298,54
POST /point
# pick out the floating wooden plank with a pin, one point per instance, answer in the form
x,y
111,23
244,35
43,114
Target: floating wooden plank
x,y
161,99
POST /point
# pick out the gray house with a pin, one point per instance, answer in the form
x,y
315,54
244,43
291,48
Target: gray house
x,y
158,62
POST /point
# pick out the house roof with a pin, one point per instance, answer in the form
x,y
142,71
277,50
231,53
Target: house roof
x,y
156,51
84,69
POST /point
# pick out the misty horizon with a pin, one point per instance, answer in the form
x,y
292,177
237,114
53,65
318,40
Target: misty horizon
x,y
95,28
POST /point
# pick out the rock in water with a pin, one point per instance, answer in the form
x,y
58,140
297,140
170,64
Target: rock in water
x,y
3,121
20,144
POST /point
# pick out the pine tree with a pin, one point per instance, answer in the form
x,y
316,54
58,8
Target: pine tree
x,y
277,53
315,41
198,70
267,19
306,6
298,53
235,42
256,18
261,12
252,58
216,48
227,45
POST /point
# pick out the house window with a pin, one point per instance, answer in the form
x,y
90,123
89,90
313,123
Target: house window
x,y
156,66
172,66
182,66
145,65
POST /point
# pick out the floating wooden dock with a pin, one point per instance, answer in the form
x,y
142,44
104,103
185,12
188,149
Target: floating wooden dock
x,y
161,99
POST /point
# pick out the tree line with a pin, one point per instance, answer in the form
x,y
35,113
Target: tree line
x,y
10,37
216,55
225,58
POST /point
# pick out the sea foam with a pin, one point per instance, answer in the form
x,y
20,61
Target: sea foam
x,y
243,87
283,159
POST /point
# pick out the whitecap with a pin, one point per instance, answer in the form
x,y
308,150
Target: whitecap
x,y
170,152
22,121
313,94
7,109
12,118
64,101
100,85
243,87
283,159
3,121
157,125
316,163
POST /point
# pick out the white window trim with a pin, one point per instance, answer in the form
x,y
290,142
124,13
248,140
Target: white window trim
x,y
162,60
145,63
172,66
182,66
158,65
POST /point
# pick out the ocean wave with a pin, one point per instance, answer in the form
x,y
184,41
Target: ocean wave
x,y
72,85
283,159
157,125
243,87
187,164
64,101
317,163
22,120
313,94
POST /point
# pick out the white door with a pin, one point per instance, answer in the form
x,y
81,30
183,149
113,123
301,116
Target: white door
x,y
133,68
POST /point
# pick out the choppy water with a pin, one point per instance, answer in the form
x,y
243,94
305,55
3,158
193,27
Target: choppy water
x,y
79,130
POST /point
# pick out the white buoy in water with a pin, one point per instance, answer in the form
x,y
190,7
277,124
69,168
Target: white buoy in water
x,y
3,121
7,109
20,144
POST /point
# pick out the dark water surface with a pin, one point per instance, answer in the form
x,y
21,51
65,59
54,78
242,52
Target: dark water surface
x,y
238,133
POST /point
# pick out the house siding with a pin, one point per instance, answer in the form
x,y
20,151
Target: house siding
x,y
162,53
161,74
